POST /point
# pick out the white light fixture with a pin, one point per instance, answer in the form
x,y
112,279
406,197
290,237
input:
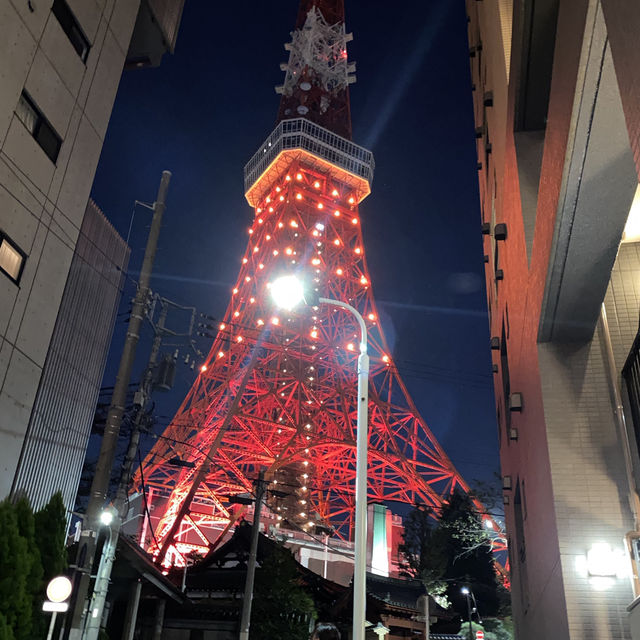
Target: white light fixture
x,y
380,630
605,562
287,292
464,591
632,227
106,517
59,589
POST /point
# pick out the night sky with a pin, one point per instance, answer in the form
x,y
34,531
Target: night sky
x,y
206,109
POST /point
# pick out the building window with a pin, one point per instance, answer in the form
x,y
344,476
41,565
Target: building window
x,y
506,381
12,258
38,126
521,548
71,28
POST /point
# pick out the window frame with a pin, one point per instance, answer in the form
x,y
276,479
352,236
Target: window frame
x,y
71,27
41,122
4,237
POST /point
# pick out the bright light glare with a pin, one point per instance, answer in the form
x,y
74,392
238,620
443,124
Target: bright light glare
x,y
106,517
464,591
603,561
287,292
59,589
632,228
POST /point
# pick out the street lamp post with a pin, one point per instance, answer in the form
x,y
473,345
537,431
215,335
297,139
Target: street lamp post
x,y
288,292
466,592
101,587
58,592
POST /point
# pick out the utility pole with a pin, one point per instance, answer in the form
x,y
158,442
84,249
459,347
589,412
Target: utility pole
x,y
251,567
143,395
100,484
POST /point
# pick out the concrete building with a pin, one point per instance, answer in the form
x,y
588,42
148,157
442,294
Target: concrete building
x,y
557,108
65,403
60,65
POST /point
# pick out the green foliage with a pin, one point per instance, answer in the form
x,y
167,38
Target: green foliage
x,y
51,533
494,629
15,567
469,556
464,631
453,551
499,629
35,581
281,608
5,630
423,553
32,552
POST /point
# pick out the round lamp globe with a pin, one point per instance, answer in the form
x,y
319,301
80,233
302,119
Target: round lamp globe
x,y
59,589
287,292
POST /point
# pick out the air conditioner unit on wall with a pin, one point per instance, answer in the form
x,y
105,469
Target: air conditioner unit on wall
x,y
500,231
515,402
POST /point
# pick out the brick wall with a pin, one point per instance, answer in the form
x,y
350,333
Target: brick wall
x,y
567,451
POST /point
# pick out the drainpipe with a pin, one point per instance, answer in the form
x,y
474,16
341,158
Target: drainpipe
x,y
621,423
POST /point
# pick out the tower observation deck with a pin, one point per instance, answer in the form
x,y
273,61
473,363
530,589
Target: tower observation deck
x,y
278,391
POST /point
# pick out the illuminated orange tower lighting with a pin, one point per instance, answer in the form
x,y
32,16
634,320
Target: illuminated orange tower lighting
x,y
278,391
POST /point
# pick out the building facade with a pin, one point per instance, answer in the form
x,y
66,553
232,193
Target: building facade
x,y
63,410
60,66
556,94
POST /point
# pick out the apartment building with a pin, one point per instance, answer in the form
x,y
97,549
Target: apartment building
x,y
557,110
60,66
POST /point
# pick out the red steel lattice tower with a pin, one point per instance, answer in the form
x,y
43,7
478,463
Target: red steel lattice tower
x,y
278,391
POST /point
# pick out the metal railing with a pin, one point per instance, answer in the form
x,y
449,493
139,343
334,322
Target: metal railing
x,y
300,133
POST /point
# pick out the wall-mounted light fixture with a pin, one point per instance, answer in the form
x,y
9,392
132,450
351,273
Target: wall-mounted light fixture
x,y
602,564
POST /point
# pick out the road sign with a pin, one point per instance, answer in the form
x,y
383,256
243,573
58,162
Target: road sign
x,y
479,634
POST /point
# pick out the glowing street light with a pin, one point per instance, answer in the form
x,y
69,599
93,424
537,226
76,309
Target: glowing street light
x,y
287,292
106,517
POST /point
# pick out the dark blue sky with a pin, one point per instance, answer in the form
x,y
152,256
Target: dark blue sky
x,y
206,109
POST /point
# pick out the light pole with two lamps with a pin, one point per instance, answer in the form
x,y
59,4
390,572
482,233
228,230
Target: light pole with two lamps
x,y
288,291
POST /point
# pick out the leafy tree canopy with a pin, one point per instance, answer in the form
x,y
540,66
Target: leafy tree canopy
x,y
31,553
281,608
453,551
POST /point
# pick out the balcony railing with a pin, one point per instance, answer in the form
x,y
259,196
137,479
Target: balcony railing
x,y
300,133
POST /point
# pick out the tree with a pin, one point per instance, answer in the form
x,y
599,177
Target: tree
x,y
469,555
32,551
51,534
281,608
35,582
453,551
5,630
16,564
423,553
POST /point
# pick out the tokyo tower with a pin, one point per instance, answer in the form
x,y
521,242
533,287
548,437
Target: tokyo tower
x,y
277,391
